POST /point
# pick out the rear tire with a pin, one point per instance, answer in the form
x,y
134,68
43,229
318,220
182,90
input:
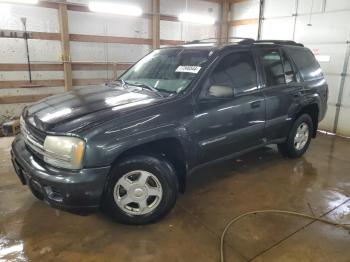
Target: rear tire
x,y
141,190
299,137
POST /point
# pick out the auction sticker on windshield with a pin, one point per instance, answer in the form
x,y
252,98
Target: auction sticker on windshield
x,y
188,69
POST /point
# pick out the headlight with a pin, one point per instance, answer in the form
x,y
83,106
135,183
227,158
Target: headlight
x,y
63,151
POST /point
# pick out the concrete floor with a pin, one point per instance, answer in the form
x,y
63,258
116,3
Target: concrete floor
x,y
32,231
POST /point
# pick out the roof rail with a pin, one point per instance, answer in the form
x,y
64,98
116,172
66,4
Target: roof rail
x,y
246,41
278,42
213,40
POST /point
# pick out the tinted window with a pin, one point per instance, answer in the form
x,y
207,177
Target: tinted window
x,y
306,63
288,69
236,70
272,63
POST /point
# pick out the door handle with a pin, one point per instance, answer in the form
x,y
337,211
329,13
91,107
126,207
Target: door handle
x,y
255,104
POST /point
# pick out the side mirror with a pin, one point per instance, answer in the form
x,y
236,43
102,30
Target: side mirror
x,y
220,91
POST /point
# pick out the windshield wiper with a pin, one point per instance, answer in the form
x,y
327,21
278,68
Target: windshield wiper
x,y
168,91
142,85
121,81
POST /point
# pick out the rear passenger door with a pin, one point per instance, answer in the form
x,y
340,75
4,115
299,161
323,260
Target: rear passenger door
x,y
282,89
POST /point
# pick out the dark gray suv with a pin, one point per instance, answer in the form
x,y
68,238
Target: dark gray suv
x,y
128,146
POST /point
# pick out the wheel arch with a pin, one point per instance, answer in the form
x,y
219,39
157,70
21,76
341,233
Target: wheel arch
x,y
313,111
170,148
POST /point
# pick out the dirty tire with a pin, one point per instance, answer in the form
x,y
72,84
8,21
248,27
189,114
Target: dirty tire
x,y
288,148
165,175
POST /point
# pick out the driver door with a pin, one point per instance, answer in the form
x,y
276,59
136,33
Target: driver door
x,y
230,111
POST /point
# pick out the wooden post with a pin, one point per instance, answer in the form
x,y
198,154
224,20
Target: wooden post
x,y
64,33
155,24
225,9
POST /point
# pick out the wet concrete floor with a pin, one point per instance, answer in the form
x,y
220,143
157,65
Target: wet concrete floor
x,y
317,183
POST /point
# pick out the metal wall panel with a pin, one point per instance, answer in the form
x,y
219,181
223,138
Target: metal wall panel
x,y
333,5
344,122
32,91
144,4
101,52
250,31
336,53
307,6
344,115
193,32
346,94
174,8
278,8
278,28
24,76
328,122
100,74
38,19
245,10
334,86
12,109
326,28
14,50
99,24
171,30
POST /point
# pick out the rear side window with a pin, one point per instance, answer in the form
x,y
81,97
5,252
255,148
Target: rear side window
x,y
288,69
273,67
306,63
236,70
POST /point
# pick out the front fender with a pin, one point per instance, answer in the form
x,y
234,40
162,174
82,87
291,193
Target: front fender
x,y
103,148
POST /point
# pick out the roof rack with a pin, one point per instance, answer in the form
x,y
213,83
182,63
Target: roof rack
x,y
278,42
216,40
245,41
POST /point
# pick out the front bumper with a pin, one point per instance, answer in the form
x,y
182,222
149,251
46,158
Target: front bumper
x,y
65,189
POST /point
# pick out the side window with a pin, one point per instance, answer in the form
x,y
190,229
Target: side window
x,y
306,63
288,69
273,67
236,70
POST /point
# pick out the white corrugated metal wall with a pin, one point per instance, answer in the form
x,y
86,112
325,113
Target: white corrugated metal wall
x,y
41,19
323,26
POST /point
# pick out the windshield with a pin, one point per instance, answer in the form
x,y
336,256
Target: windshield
x,y
168,70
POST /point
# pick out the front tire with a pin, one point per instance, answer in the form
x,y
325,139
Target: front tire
x,y
141,190
299,137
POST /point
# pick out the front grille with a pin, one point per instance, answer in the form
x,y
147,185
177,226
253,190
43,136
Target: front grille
x,y
34,139
36,133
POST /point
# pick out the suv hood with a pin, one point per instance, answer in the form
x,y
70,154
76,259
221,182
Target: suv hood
x,y
58,109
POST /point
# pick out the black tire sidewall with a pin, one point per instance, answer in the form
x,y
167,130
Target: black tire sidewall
x,y
159,167
292,151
